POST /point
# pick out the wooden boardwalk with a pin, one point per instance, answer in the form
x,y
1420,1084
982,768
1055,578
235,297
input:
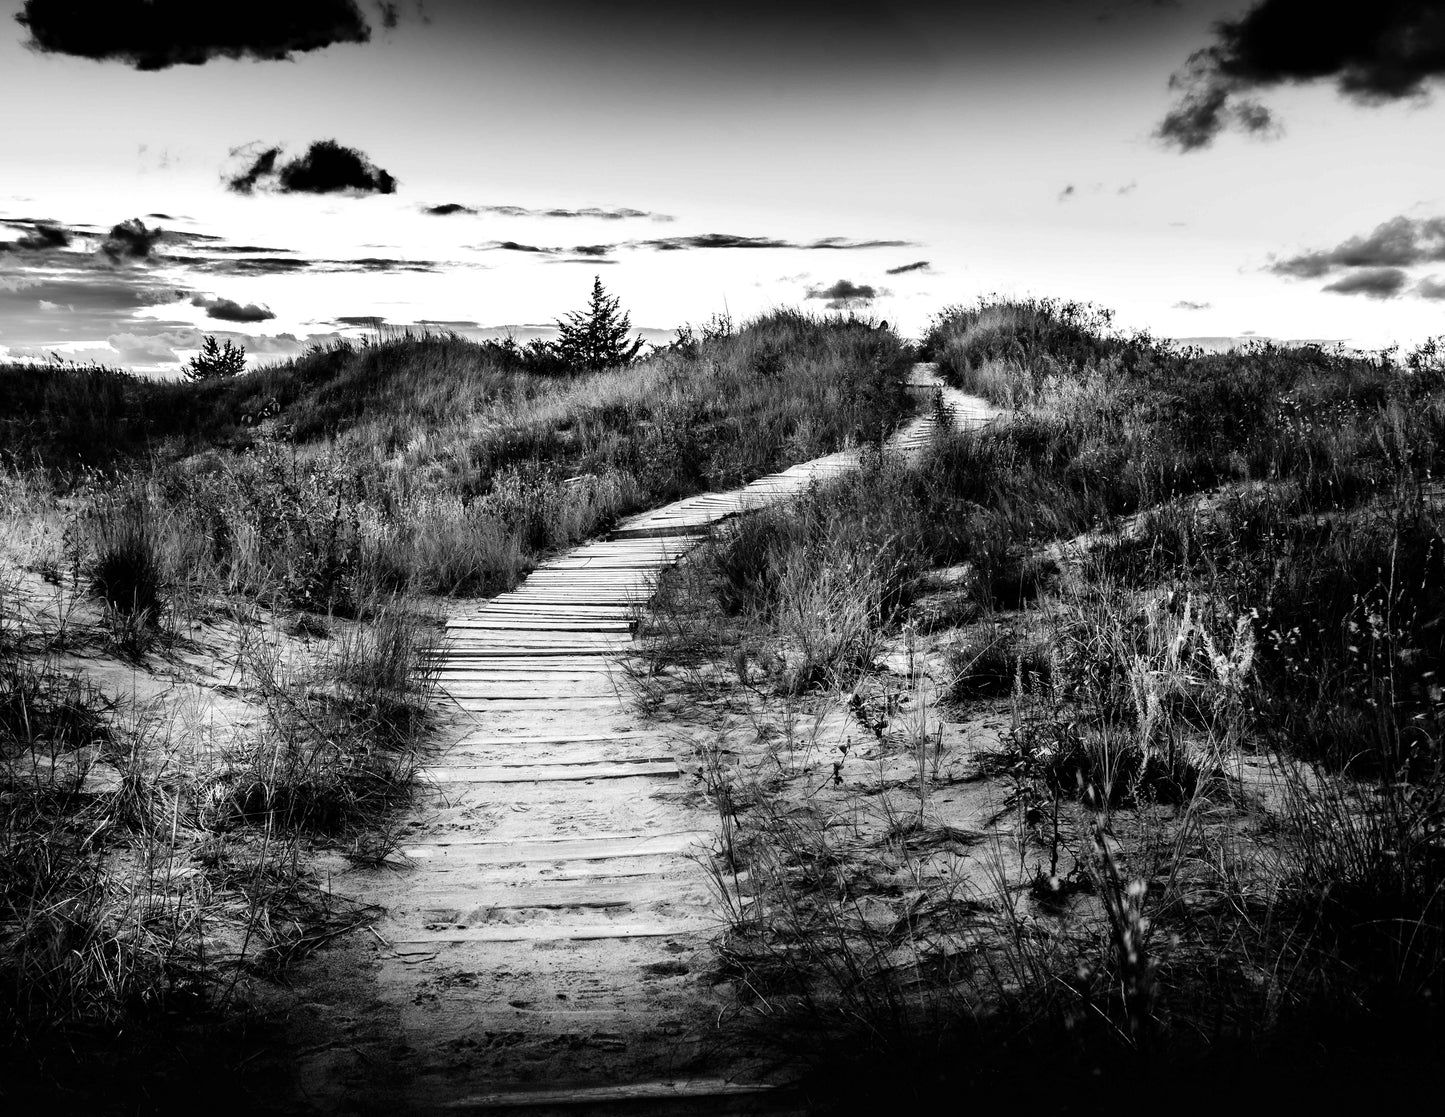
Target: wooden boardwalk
x,y
560,896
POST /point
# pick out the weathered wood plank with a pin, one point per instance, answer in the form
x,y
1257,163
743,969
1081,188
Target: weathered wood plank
x,y
589,1097
549,773
478,851
541,932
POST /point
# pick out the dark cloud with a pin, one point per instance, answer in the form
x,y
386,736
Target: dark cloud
x,y
1430,288
732,240
40,236
228,310
1397,243
368,320
255,265
447,209
376,264
1185,304
1067,192
917,265
846,294
155,34
327,168
262,166
1373,52
843,244
290,265
1373,283
513,246
593,249
130,240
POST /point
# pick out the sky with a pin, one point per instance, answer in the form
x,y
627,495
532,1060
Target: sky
x,y
289,171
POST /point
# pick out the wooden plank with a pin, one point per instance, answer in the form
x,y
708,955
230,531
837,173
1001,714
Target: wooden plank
x,y
550,739
574,932
476,851
549,773
471,904
587,1097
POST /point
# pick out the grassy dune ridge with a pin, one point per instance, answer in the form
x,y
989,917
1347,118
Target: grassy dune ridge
x,y
1204,595
214,636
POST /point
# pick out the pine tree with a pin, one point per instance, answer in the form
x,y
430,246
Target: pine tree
x,y
216,363
596,338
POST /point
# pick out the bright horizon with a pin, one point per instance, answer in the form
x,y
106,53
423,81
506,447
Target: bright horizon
x,y
888,161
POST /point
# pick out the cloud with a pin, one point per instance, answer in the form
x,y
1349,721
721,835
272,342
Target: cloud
x,y
136,350
593,249
155,34
1185,304
1430,288
733,240
40,236
228,310
1067,192
130,240
846,294
327,168
1373,283
1373,52
367,320
262,166
601,213
917,265
1397,243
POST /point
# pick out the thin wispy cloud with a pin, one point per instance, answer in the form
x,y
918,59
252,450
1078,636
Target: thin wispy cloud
x,y
1186,304
156,34
600,213
903,269
733,240
1373,53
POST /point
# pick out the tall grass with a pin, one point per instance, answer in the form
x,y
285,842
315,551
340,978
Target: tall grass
x,y
1178,563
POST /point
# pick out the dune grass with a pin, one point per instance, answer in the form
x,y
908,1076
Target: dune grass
x,y
152,869
1179,572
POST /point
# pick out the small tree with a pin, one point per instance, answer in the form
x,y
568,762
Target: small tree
x,y
597,337
216,363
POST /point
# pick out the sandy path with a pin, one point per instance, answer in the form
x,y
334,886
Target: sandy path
x,y
552,932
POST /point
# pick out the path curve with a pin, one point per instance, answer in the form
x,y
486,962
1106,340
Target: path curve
x,y
549,945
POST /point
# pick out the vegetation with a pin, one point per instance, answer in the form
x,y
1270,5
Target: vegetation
x,y
596,338
215,362
1202,594
282,524
1105,739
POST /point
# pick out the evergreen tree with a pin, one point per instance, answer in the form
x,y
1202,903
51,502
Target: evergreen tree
x,y
216,363
597,337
